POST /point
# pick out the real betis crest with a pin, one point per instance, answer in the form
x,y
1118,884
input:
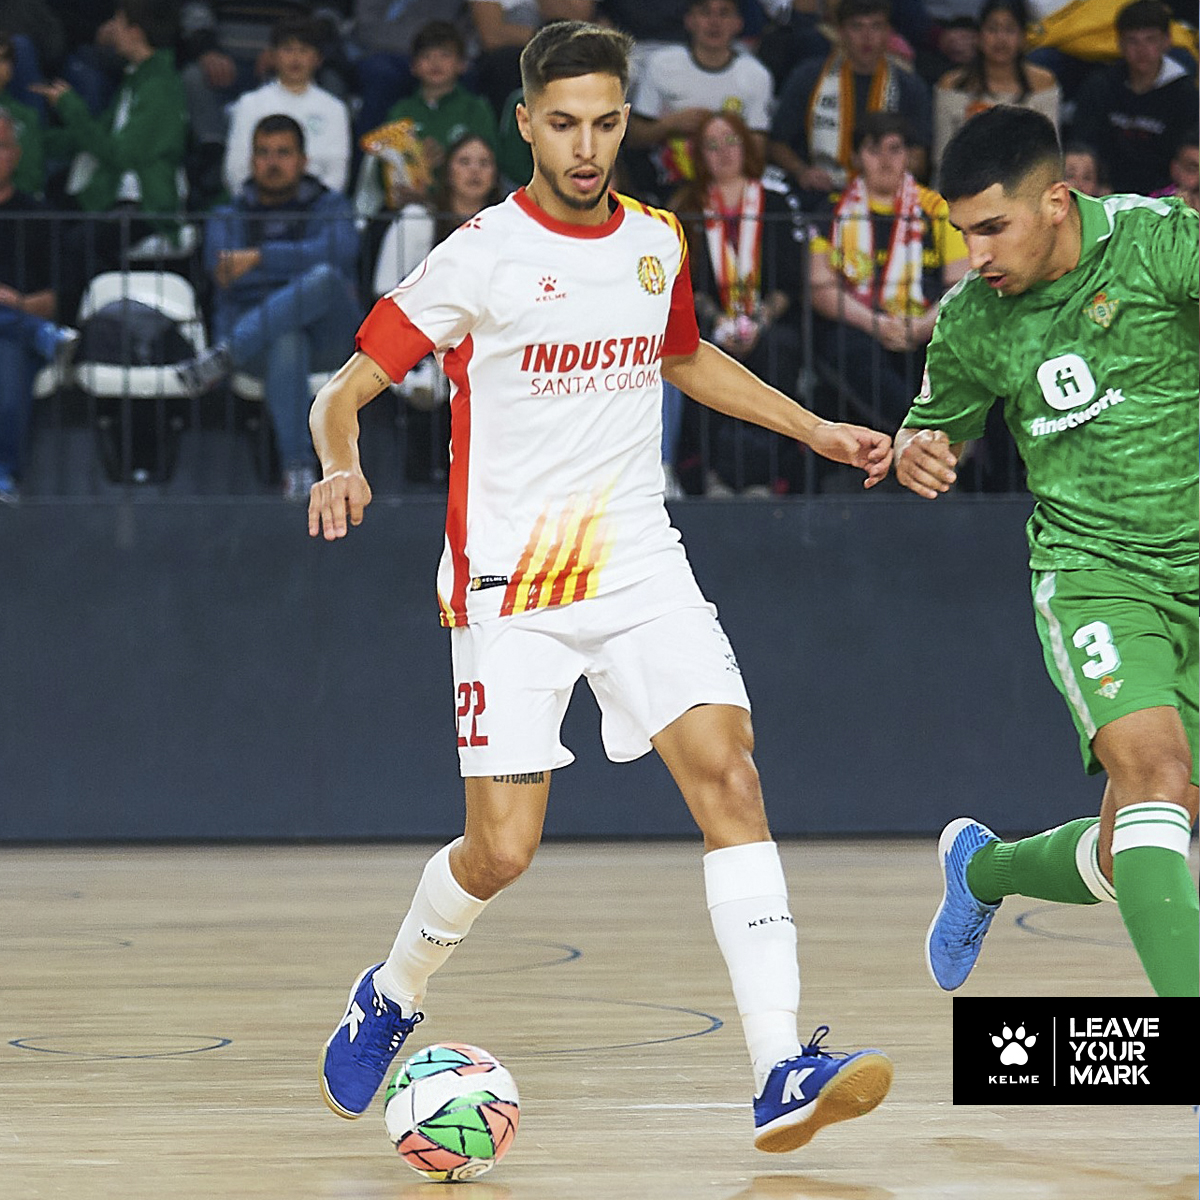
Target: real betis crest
x,y
1102,310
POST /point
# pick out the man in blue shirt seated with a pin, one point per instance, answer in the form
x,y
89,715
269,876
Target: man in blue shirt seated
x,y
282,256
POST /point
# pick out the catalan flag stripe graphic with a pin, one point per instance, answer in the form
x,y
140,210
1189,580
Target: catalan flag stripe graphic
x,y
561,560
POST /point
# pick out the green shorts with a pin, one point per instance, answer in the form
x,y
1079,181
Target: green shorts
x,y
1113,646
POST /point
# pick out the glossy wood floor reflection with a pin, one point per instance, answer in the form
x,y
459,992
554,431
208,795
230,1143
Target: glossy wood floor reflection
x,y
162,1011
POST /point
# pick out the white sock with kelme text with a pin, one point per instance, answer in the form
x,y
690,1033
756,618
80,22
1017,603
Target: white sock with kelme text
x,y
441,915
747,902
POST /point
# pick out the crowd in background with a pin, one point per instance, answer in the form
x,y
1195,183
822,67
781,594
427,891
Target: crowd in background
x,y
332,145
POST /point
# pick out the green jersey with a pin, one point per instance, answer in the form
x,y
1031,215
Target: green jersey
x,y
1098,374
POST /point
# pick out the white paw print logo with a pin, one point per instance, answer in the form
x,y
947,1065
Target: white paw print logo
x,y
1013,1047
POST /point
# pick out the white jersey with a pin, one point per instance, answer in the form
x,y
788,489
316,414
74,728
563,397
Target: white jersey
x,y
552,336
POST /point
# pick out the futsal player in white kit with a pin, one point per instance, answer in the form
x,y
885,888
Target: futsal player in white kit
x,y
555,315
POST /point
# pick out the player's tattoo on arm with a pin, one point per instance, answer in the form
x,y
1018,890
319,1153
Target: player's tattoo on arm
x,y
381,378
530,777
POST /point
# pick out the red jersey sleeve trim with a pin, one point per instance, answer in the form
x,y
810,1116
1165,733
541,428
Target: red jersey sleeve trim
x,y
683,334
389,338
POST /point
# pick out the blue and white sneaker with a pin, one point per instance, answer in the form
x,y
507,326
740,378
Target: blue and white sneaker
x,y
356,1058
815,1088
956,932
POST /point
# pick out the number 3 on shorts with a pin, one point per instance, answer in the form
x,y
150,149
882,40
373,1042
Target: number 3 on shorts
x,y
471,703
1095,638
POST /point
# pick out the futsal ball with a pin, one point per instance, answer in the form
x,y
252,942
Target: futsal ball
x,y
451,1112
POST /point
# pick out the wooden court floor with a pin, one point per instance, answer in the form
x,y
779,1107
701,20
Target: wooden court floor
x,y
162,1010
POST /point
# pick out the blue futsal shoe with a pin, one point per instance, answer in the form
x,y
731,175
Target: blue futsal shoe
x,y
357,1056
955,935
803,1094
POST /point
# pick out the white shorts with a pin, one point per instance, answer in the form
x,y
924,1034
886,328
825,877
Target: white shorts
x,y
650,652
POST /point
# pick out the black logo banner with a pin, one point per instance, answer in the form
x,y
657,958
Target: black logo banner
x,y
1055,1050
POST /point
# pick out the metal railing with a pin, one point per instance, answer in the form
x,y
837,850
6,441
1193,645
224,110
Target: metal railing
x,y
126,426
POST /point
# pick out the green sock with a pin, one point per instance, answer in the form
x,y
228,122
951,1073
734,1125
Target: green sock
x,y
1157,899
1043,867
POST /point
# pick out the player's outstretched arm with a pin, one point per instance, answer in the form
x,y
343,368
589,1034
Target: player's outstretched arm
x,y
342,492
926,461
721,383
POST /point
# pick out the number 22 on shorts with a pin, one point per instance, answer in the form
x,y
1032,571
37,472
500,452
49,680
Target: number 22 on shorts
x,y
471,703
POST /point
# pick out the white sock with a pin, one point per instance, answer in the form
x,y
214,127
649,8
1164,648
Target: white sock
x,y
440,917
1087,863
747,902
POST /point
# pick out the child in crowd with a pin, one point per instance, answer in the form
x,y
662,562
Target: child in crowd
x,y
441,109
30,176
1083,170
296,55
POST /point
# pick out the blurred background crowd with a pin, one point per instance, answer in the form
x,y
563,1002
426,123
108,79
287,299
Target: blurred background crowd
x,y
199,201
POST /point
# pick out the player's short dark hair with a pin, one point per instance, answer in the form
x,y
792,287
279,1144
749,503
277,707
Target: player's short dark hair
x,y
875,126
6,46
279,123
1000,145
298,29
568,49
439,35
848,9
1144,14
157,19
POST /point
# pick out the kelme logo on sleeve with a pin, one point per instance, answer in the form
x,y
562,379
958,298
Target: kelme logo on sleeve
x,y
1066,382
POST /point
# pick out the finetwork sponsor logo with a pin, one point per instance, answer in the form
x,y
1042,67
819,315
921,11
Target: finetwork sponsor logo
x,y
1040,426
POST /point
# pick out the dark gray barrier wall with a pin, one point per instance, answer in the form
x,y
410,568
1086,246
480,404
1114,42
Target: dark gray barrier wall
x,y
205,670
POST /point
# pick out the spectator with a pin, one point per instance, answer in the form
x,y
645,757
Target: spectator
x,y
383,38
812,135
1136,111
681,85
503,27
1185,169
282,256
1083,170
745,264
513,153
955,42
998,74
441,110
470,183
41,28
131,157
296,55
31,171
28,334
877,278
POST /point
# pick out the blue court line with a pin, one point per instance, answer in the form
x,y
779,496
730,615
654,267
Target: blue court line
x,y
1024,922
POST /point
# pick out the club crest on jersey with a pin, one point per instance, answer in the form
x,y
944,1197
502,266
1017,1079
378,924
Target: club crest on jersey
x,y
1109,687
651,275
1102,310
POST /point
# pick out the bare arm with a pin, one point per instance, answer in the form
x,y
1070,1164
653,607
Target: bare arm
x,y
42,304
815,179
719,382
333,420
832,300
926,461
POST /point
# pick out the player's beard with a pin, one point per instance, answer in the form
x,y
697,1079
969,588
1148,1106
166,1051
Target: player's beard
x,y
579,203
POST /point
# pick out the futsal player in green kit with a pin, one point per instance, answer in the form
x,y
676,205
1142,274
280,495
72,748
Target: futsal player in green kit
x,y
1081,315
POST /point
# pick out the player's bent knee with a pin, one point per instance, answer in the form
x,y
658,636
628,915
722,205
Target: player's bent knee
x,y
488,870
1159,777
